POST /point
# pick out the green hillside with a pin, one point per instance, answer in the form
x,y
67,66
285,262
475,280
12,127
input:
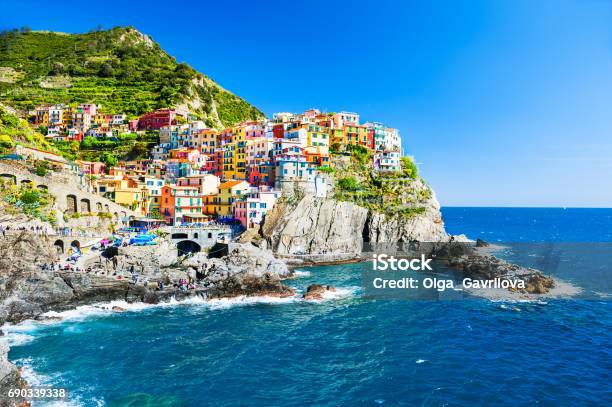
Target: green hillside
x,y
121,69
15,130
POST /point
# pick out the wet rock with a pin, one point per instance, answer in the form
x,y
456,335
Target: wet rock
x,y
10,378
481,243
317,291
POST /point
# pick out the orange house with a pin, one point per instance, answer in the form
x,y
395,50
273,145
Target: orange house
x,y
166,206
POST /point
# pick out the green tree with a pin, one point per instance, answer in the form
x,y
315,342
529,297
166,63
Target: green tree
x,y
348,184
409,168
109,159
6,142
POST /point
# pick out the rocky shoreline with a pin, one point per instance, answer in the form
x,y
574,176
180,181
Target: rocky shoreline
x,y
27,292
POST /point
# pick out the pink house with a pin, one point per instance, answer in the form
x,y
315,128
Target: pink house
x,y
190,154
92,168
251,210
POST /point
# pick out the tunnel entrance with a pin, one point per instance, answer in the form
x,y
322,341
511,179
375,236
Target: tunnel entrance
x,y
187,246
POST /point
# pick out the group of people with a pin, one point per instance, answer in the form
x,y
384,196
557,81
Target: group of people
x,y
58,266
38,229
66,231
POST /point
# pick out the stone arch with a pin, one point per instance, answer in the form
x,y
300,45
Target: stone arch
x,y
123,215
9,177
99,207
187,246
85,205
59,246
106,208
180,236
195,235
42,187
75,243
115,216
26,182
71,204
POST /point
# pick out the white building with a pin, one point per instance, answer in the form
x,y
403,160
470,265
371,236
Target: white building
x,y
387,161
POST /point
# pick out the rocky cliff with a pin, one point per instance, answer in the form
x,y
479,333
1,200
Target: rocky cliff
x,y
27,291
427,226
328,229
315,226
10,379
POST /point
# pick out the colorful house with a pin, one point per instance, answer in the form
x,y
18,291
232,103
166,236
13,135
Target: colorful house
x,y
157,119
230,191
251,209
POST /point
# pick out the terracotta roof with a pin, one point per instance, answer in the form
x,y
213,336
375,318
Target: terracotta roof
x,y
229,184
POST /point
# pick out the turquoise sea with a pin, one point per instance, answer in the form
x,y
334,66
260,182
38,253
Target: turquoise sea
x,y
346,350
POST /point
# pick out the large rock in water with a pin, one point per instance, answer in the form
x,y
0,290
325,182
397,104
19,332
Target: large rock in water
x,y
315,226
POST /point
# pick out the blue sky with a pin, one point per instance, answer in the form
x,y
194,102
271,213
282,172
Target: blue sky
x,y
502,102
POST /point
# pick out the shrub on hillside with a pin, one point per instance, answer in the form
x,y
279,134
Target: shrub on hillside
x,y
348,184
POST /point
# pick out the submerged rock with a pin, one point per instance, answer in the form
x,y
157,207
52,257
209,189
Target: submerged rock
x,y
481,243
317,291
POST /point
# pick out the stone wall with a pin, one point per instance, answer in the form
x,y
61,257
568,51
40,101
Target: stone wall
x,y
70,196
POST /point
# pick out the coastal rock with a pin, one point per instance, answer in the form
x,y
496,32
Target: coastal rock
x,y
325,230
481,243
486,267
315,226
425,227
10,378
27,291
246,270
317,291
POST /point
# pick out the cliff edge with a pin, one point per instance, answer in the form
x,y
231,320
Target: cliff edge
x,y
360,206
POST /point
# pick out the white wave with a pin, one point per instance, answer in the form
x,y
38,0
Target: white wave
x,y
36,379
419,361
301,273
339,293
24,331
223,303
18,339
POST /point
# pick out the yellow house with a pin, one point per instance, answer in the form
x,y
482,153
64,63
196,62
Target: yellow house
x,y
317,136
129,197
239,158
229,192
338,138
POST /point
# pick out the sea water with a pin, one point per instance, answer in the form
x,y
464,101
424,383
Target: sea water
x,y
345,350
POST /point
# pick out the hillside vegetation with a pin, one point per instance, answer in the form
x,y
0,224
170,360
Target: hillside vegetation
x,y
121,69
15,130
403,193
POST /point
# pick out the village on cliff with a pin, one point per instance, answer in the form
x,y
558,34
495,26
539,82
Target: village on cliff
x,y
198,174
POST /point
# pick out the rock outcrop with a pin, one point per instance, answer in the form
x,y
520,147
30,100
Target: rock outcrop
x,y
325,229
10,379
27,291
486,267
425,227
315,226
317,291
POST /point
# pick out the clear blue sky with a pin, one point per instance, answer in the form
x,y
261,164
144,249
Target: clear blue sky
x,y
502,102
